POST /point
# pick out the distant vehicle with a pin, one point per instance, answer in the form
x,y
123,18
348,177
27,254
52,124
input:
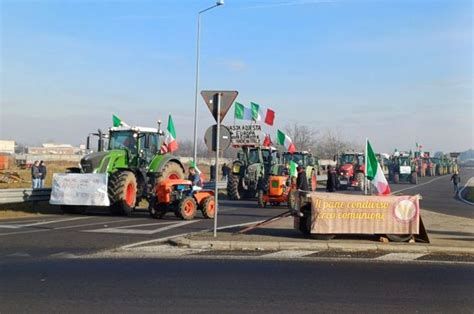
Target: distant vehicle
x,y
351,170
403,169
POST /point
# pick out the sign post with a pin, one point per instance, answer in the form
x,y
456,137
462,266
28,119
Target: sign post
x,y
219,103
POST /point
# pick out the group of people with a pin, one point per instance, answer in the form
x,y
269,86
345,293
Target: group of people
x,y
225,170
38,174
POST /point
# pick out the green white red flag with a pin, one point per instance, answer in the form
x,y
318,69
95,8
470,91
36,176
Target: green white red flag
x,y
285,141
241,112
169,144
374,172
260,113
116,121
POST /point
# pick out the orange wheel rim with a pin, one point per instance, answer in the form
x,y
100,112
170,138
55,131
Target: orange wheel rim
x,y
173,176
188,207
130,194
211,207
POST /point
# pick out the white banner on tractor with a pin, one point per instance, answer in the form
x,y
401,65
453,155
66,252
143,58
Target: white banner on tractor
x,y
87,189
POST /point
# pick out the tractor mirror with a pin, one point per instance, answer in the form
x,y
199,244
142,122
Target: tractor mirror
x,y
88,143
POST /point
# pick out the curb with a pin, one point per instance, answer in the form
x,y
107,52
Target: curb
x,y
317,245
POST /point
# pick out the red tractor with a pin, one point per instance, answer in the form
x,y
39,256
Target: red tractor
x,y
178,196
351,171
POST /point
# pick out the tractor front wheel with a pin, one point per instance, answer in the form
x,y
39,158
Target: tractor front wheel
x,y
172,170
209,207
122,192
360,181
187,208
233,187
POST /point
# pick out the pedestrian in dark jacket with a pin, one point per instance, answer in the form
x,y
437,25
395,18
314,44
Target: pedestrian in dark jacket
x,y
225,171
302,180
331,182
35,175
42,170
456,180
213,172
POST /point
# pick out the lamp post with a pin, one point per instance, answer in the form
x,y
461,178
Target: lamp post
x,y
218,3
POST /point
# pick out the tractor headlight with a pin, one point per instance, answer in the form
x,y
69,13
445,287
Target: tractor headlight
x,y
236,168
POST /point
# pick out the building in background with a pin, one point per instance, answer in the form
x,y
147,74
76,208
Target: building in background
x,y
54,149
7,147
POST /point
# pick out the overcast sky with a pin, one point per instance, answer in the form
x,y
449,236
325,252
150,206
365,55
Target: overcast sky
x,y
397,72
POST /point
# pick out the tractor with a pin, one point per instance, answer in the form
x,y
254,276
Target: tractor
x,y
248,172
132,163
309,162
350,170
277,191
178,196
437,165
403,169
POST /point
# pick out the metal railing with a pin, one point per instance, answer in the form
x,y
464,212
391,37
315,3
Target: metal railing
x,y
24,195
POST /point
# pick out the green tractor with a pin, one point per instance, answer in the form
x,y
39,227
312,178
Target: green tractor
x,y
133,165
249,170
309,162
403,169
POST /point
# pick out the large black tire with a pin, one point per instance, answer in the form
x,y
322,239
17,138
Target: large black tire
x,y
396,178
209,207
305,228
122,191
399,237
172,170
187,208
261,203
360,178
233,187
414,178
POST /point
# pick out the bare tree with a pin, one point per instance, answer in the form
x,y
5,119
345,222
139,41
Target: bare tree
x,y
330,143
303,136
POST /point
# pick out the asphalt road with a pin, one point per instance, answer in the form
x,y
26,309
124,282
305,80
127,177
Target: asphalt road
x,y
232,286
74,234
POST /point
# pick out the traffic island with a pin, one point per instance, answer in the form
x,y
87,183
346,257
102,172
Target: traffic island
x,y
448,234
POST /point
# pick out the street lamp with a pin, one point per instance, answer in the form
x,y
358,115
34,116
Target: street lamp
x,y
218,3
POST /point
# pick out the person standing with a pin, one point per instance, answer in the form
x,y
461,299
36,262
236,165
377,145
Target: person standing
x,y
331,181
43,171
225,171
456,180
213,172
301,179
35,175
195,178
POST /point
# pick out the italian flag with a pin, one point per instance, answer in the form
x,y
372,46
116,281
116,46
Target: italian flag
x,y
293,169
260,113
374,172
242,112
285,140
267,141
116,121
170,144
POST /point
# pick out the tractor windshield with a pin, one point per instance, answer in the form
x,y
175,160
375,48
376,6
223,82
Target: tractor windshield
x,y
404,161
298,158
253,156
121,140
347,159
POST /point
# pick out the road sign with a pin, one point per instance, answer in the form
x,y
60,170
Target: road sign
x,y
226,100
245,135
211,136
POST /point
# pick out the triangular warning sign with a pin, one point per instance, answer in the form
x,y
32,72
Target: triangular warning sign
x,y
227,99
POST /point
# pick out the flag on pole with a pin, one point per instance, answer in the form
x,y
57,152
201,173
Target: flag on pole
x,y
260,113
170,144
293,169
374,172
116,121
242,112
267,141
285,140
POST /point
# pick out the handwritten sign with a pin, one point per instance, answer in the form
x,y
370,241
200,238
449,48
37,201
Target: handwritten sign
x,y
244,135
88,189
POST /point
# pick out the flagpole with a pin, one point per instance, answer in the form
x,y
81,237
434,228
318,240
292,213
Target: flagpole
x,y
365,172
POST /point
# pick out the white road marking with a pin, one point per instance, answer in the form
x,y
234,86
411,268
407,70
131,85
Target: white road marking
x,y
418,185
18,226
19,254
400,256
468,183
128,246
127,230
288,254
92,224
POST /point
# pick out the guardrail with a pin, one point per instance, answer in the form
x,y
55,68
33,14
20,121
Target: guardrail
x,y
24,195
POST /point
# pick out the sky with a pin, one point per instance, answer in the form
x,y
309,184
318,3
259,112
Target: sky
x,y
396,72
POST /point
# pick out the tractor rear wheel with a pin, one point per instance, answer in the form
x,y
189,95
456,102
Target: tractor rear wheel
x,y
360,181
187,208
122,191
261,203
233,187
396,178
399,237
209,207
172,170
